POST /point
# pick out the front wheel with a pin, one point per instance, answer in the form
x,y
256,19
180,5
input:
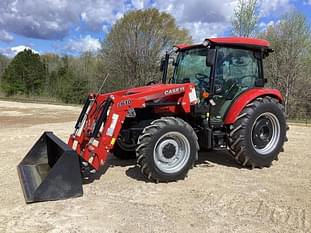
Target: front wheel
x,y
167,149
258,135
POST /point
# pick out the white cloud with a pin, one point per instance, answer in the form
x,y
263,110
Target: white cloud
x,y
213,17
202,18
84,44
203,30
138,4
12,51
97,12
106,28
53,19
263,26
5,36
267,7
38,19
198,10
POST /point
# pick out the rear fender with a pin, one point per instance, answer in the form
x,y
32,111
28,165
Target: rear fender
x,y
247,97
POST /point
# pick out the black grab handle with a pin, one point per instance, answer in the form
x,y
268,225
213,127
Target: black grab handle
x,y
102,118
86,105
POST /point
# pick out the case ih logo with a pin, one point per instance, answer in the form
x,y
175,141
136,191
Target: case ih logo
x,y
124,102
174,91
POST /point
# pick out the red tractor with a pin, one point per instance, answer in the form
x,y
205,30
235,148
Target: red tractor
x,y
215,99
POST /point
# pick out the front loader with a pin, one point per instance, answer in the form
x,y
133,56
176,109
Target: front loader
x,y
215,100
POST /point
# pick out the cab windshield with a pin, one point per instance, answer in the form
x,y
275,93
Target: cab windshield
x,y
191,67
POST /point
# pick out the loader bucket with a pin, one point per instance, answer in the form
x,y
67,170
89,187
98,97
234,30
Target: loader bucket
x,y
50,171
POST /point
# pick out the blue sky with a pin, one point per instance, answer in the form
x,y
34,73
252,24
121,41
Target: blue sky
x,y
77,26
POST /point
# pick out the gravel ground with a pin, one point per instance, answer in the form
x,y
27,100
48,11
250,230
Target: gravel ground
x,y
217,196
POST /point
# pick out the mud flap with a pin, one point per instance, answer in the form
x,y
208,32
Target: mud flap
x,y
50,171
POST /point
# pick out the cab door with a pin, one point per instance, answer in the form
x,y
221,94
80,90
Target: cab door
x,y
236,70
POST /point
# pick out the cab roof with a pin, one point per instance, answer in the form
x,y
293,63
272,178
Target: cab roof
x,y
231,41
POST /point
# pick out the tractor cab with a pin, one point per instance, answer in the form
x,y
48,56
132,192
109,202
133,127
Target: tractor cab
x,y
221,70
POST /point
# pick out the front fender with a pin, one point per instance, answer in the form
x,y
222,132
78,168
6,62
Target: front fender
x,y
247,97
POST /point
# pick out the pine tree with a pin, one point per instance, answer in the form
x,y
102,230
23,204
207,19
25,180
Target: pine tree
x,y
24,75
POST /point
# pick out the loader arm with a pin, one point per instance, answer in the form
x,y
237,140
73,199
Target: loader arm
x,y
102,117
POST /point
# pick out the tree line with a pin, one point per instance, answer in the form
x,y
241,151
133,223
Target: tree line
x,y
131,55
288,68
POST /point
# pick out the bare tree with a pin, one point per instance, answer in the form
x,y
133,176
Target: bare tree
x,y
132,49
290,38
245,18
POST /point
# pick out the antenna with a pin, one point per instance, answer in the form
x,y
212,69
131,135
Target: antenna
x,y
101,87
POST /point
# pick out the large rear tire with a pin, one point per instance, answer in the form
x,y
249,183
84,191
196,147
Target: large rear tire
x,y
258,135
167,149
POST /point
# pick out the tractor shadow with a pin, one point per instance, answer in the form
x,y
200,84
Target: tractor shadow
x,y
111,162
206,159
221,157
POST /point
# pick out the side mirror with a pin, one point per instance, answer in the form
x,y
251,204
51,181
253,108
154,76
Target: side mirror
x,y
162,64
211,55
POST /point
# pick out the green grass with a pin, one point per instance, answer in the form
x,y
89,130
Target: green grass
x,y
34,99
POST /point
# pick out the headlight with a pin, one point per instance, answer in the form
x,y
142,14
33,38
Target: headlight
x,y
175,49
205,43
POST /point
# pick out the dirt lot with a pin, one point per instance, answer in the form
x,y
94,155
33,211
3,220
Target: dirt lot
x,y
217,196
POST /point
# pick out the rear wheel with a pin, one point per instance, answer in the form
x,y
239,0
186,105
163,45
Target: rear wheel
x,y
258,135
167,149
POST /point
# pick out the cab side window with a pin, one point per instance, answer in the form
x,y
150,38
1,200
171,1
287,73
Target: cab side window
x,y
236,69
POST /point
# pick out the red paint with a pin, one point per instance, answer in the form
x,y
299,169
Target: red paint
x,y
229,41
247,97
182,46
167,109
241,41
123,101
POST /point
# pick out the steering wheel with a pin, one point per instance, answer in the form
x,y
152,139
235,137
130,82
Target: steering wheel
x,y
202,83
199,76
151,83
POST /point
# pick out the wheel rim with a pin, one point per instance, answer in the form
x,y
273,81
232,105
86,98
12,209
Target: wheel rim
x,y
265,133
171,152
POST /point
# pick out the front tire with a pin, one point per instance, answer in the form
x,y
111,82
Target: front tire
x,y
167,149
258,135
